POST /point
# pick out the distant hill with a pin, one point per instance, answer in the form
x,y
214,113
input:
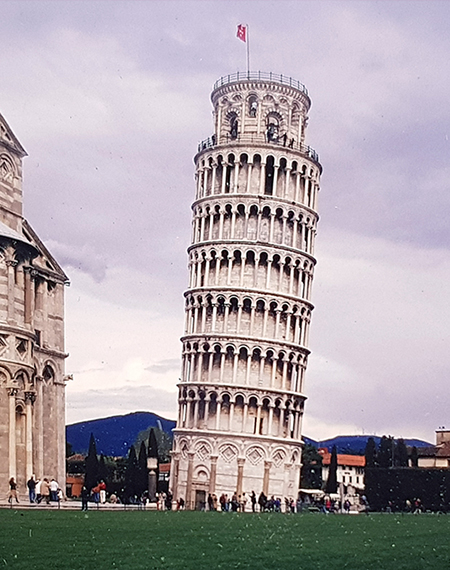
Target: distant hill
x,y
356,444
114,435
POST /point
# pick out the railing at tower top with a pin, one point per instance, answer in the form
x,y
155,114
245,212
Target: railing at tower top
x,y
249,138
260,76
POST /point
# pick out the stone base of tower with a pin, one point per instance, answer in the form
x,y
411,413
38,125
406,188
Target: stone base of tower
x,y
223,463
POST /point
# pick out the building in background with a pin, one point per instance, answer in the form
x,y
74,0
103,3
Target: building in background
x,y
32,407
436,455
248,306
350,471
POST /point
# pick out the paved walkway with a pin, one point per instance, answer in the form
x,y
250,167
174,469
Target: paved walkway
x,y
71,505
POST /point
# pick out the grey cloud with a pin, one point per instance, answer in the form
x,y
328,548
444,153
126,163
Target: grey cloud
x,y
165,366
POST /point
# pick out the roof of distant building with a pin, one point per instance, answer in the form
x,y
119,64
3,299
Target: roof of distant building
x,y
343,459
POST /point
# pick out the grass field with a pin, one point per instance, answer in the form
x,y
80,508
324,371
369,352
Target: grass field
x,y
125,540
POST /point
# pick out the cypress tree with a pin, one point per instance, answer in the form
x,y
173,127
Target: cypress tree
x,y
103,473
370,453
91,463
386,451
131,472
401,453
331,485
142,469
414,457
152,445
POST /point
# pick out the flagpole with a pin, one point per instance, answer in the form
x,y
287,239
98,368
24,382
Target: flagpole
x,y
248,51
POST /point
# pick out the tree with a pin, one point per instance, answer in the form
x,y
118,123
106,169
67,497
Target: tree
x,y
386,451
414,457
103,472
69,449
401,453
142,470
331,485
152,445
311,474
164,442
131,474
371,453
91,473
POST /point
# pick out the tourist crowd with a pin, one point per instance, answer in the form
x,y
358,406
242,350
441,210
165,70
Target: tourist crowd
x,y
39,490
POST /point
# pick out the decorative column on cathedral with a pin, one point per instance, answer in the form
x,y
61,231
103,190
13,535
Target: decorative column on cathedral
x,y
248,306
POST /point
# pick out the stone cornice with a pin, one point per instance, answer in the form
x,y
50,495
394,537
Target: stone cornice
x,y
247,388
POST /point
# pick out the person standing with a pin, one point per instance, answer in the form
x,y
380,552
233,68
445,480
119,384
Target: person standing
x,y
102,487
253,500
54,490
84,498
31,484
12,491
38,491
45,491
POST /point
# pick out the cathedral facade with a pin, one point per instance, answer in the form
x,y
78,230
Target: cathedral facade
x,y
248,308
32,378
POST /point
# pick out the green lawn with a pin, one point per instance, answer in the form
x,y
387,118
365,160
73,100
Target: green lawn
x,y
125,540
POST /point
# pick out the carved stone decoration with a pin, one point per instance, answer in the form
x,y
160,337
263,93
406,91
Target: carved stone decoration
x,y
228,453
278,457
255,455
184,449
202,451
6,168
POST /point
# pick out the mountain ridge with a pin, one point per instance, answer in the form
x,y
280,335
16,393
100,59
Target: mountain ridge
x,y
114,435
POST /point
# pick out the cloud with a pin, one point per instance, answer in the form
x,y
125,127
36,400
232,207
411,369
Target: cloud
x,y
108,402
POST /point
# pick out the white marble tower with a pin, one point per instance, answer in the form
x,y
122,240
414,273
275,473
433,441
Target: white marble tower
x,y
248,307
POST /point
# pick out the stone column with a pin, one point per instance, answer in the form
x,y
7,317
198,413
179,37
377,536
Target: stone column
x,y
247,371
297,187
269,429
266,479
218,411
235,366
214,317
28,296
213,181
244,418
230,418
190,499
213,475
269,266
11,264
249,176
30,398
272,223
240,475
39,413
206,415
262,180
202,228
261,370
258,419
222,366
12,392
275,181
174,469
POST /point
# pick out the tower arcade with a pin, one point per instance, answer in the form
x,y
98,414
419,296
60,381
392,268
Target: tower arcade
x,y
248,307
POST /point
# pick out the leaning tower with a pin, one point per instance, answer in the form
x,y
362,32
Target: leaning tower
x,y
248,305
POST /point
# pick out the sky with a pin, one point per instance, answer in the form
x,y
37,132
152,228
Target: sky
x,y
110,100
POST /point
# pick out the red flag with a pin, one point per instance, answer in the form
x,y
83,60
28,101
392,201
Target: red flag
x,y
242,32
